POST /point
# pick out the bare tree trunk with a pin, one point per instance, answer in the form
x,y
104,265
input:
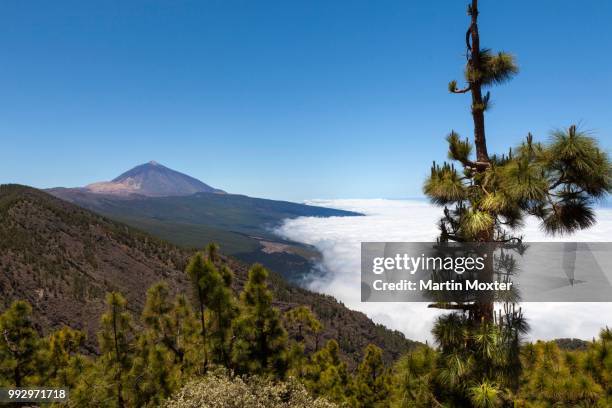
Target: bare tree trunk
x,y
478,106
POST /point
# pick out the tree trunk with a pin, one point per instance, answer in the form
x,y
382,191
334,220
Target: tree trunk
x,y
203,332
118,379
483,312
17,376
476,88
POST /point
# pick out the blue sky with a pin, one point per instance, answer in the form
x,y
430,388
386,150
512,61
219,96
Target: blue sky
x,y
282,99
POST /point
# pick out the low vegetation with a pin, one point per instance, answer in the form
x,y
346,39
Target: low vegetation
x,y
221,390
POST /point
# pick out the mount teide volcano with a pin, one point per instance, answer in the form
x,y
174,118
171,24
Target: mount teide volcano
x,y
190,213
152,180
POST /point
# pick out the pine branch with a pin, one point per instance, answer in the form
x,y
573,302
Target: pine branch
x,y
452,87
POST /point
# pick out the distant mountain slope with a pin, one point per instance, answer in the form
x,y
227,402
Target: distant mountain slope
x,y
153,180
230,212
63,259
242,225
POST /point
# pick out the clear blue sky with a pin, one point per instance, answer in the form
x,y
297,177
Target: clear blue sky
x,y
282,99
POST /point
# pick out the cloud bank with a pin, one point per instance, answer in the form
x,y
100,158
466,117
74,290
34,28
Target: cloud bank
x,y
339,241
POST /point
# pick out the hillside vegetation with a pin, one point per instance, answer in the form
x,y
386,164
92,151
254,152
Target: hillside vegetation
x,y
63,260
218,350
240,224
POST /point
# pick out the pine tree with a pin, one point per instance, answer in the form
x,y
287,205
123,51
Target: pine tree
x,y
116,344
486,199
557,182
302,319
372,380
601,359
555,377
261,340
414,379
154,375
187,335
228,276
205,279
215,303
327,375
19,346
159,354
170,323
212,252
223,311
62,359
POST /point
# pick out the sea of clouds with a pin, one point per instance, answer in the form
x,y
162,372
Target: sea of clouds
x,y
339,241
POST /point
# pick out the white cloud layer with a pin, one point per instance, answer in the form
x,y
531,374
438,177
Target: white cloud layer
x,y
339,240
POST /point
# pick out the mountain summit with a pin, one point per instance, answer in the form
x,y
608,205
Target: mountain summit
x,y
153,180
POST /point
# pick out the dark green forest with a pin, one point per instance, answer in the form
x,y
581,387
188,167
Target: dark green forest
x,y
227,343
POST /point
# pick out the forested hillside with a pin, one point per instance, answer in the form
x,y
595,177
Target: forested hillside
x,y
63,260
242,225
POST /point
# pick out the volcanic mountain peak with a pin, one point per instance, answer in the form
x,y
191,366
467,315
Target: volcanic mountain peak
x,y
154,180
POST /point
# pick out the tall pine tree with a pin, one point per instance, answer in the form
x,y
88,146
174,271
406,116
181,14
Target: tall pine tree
x,y
223,310
116,338
327,375
261,340
486,199
205,279
372,379
159,354
19,346
62,359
